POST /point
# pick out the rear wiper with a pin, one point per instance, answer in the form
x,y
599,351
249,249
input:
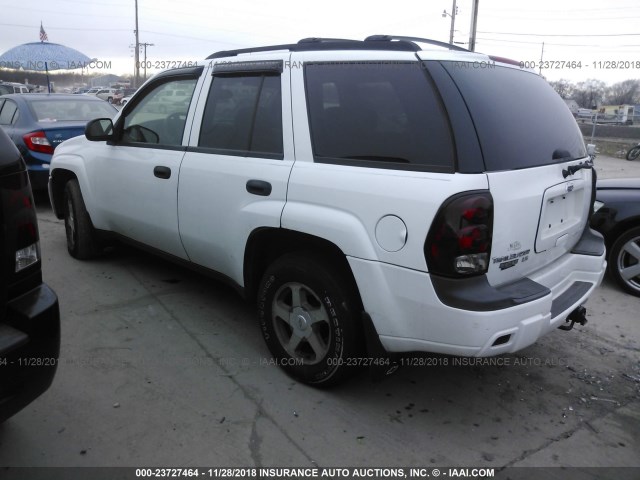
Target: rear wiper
x,y
574,168
377,158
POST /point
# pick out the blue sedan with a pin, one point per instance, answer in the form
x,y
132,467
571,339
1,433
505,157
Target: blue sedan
x,y
37,123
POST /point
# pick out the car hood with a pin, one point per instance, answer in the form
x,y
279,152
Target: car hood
x,y
619,184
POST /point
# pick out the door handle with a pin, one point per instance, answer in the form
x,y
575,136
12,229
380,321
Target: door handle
x,y
259,187
162,172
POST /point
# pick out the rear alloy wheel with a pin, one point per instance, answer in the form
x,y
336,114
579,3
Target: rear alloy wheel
x,y
81,236
624,261
309,317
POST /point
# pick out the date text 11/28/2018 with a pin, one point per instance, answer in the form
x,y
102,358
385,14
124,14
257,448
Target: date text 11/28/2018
x,y
327,473
578,64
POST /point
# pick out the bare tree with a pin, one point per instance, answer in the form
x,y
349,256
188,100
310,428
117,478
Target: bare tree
x,y
627,92
589,93
563,87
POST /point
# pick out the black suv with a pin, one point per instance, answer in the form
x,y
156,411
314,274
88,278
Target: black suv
x,y
29,312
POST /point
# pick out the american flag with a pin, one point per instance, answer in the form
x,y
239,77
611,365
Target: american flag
x,y
43,34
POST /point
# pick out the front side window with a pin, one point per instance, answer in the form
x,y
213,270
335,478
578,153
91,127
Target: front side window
x,y
377,115
161,115
243,116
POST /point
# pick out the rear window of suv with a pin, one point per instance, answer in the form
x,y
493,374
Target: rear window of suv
x,y
382,115
520,120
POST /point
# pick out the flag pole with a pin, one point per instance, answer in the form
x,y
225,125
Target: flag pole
x,y
46,69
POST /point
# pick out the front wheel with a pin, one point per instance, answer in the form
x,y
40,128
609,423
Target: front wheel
x,y
82,242
309,314
624,261
633,153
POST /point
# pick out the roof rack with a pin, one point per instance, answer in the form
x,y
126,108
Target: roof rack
x,y
437,43
373,42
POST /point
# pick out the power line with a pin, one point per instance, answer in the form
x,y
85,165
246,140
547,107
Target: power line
x,y
503,41
67,28
58,12
565,34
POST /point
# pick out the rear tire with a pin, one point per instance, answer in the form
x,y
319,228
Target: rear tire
x,y
82,242
624,261
633,153
309,314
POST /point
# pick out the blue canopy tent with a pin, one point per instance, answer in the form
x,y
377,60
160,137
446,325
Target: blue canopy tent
x,y
43,57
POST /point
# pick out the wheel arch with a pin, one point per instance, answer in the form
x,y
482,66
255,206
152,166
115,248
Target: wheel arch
x,y
620,228
265,245
59,178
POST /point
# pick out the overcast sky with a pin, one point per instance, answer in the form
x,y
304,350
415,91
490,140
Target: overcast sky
x,y
587,31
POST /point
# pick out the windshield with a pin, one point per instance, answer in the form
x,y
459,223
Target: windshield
x,y
69,110
521,121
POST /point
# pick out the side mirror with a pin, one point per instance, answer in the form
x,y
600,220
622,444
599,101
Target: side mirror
x,y
99,130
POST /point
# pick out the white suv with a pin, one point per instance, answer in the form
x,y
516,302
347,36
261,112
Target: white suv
x,y
372,197
106,94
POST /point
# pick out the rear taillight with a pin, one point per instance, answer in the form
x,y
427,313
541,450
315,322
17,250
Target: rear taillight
x,y
23,227
38,142
459,241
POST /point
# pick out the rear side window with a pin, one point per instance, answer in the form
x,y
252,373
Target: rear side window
x,y
382,115
243,116
8,114
520,120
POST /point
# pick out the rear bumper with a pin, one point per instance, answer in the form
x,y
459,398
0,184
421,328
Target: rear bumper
x,y
39,176
29,348
410,313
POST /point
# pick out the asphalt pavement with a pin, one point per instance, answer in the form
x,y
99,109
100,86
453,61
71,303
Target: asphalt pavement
x,y
161,366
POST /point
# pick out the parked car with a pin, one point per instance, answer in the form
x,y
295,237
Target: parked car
x,y
106,94
37,123
12,87
375,199
617,217
117,97
93,90
124,96
29,313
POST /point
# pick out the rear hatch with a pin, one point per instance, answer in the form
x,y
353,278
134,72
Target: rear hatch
x,y
19,247
528,139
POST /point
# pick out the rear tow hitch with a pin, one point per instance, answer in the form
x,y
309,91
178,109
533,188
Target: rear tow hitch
x,y
577,316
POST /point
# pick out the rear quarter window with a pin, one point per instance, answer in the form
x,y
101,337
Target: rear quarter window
x,y
520,120
381,115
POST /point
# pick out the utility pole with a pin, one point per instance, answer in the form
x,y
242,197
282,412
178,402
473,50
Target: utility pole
x,y
474,25
136,79
145,45
541,55
453,20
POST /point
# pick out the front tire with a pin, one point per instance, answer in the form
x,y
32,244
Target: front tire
x,y
633,153
624,261
82,242
309,314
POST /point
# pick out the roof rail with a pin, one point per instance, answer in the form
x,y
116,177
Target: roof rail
x,y
374,42
388,38
323,39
